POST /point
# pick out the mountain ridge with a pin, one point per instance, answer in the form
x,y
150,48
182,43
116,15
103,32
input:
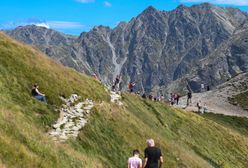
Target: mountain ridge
x,y
152,49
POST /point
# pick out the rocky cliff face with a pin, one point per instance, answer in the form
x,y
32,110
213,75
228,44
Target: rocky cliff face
x,y
153,49
227,61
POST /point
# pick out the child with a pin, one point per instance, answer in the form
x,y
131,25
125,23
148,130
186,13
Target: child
x,y
135,161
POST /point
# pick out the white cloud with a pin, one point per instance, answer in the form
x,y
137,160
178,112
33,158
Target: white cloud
x,y
107,4
30,21
85,1
43,23
64,25
221,2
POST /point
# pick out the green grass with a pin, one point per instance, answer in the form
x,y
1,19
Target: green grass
x,y
239,124
187,140
241,100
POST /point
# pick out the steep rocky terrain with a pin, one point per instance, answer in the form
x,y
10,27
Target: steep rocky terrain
x,y
112,130
227,61
153,49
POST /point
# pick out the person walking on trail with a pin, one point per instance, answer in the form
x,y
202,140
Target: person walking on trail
x,y
153,155
131,86
172,99
37,94
177,97
116,83
134,161
189,97
199,106
202,87
94,76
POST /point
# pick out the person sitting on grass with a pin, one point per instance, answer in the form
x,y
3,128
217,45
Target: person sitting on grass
x,y
36,94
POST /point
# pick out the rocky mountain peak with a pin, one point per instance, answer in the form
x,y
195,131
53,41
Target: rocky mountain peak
x,y
122,25
181,7
206,5
149,10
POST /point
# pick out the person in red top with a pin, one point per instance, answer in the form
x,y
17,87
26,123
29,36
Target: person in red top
x,y
131,86
94,76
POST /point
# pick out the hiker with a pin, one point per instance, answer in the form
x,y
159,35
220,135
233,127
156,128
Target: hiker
x,y
208,88
144,96
116,82
94,76
131,86
150,97
152,155
205,108
161,97
172,99
36,94
135,161
189,97
176,97
120,85
199,106
202,87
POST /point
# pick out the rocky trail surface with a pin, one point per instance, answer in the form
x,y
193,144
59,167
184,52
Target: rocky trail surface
x,y
74,115
116,98
217,100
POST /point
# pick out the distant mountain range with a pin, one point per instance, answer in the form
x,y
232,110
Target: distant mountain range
x,y
157,49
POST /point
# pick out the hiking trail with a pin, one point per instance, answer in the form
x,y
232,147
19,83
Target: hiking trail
x,y
116,98
73,117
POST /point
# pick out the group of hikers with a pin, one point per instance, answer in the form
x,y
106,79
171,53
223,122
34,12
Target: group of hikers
x,y
117,85
173,99
152,157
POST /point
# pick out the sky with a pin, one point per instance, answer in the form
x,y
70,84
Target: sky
x,y
76,16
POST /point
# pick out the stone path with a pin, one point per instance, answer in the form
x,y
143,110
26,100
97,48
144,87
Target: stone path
x,y
73,116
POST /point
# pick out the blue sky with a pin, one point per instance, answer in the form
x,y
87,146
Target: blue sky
x,y
76,16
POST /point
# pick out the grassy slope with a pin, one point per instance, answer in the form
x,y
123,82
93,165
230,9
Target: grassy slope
x,y
241,99
186,139
23,120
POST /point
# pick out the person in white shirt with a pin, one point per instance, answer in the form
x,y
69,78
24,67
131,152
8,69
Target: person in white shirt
x,y
135,161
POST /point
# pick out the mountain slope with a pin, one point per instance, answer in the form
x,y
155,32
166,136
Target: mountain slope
x,y
24,121
186,139
153,49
